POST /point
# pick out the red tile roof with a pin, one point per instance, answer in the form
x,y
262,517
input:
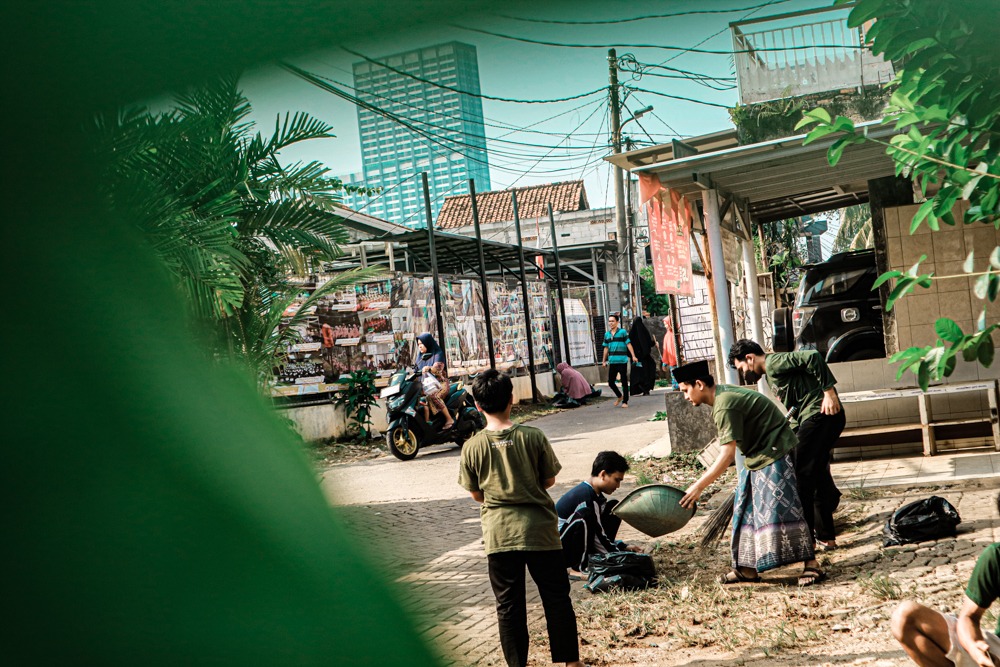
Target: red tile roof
x,y
495,206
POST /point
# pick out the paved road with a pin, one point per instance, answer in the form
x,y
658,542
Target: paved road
x,y
426,530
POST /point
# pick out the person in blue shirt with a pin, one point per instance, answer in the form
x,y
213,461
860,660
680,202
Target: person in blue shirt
x,y
617,352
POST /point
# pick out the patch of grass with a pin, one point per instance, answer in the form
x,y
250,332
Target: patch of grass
x,y
660,416
862,492
881,587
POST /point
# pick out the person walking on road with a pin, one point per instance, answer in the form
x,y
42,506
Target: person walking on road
x,y
644,370
769,524
803,382
617,352
508,468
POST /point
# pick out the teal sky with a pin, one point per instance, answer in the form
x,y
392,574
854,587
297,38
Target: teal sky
x,y
528,71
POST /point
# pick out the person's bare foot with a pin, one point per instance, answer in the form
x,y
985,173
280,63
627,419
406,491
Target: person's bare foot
x,y
624,405
576,575
618,401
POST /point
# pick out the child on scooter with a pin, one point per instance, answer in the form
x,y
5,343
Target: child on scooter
x,y
435,385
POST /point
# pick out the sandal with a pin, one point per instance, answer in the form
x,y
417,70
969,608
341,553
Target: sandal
x,y
826,546
811,575
734,576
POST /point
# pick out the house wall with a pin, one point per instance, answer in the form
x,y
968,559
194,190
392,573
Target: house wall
x,y
915,315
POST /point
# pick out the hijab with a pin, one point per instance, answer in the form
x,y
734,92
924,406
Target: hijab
x,y
434,352
573,381
639,336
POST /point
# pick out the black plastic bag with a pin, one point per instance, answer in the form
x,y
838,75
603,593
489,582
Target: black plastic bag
x,y
621,570
928,519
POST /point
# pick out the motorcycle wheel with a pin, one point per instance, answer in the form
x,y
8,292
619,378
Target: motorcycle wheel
x,y
403,442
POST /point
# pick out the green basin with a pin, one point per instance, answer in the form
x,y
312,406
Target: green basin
x,y
654,509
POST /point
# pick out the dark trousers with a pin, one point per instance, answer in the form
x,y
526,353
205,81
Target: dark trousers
x,y
818,492
614,372
581,535
549,573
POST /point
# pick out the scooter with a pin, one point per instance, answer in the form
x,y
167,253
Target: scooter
x,y
409,431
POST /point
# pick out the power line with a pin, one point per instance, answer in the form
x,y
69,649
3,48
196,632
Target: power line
x,y
642,18
496,123
676,97
465,92
661,47
430,136
750,13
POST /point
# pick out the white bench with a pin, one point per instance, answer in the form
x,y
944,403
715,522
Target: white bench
x,y
927,424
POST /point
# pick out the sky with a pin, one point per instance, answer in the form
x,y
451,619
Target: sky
x,y
571,137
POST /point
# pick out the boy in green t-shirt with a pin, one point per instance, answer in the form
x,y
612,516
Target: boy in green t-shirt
x,y
769,524
932,638
507,469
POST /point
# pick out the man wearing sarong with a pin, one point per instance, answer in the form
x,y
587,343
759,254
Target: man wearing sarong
x,y
803,381
769,524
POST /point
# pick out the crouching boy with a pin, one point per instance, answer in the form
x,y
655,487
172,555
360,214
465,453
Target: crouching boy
x,y
507,469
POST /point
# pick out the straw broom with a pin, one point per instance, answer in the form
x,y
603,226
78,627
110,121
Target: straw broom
x,y
722,517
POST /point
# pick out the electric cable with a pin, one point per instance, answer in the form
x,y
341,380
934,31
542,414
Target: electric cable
x,y
465,92
641,18
661,47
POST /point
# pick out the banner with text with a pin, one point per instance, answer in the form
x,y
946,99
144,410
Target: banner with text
x,y
669,216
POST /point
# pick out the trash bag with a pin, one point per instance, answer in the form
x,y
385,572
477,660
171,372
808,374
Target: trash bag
x,y
566,402
928,519
620,570
594,392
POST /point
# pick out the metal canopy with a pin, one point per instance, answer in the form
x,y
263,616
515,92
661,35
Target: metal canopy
x,y
779,179
459,254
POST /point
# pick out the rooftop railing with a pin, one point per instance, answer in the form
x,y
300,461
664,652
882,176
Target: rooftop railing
x,y
796,54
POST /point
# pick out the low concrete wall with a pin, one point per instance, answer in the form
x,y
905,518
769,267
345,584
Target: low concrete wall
x,y
689,428
323,421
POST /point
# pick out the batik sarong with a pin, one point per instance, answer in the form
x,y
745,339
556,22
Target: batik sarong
x,y
769,525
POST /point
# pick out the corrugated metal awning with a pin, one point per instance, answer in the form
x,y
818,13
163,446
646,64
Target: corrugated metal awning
x,y
781,178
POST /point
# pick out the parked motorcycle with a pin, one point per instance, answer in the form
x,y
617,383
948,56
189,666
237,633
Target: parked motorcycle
x,y
409,431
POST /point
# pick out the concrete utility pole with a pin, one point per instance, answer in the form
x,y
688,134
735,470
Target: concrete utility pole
x,y
616,146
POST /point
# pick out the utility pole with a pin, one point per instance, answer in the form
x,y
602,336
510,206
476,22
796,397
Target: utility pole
x,y
624,278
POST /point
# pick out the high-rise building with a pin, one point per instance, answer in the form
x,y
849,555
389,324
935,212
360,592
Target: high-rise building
x,y
423,87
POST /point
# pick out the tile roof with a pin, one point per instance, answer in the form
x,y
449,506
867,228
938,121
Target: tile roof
x,y
495,206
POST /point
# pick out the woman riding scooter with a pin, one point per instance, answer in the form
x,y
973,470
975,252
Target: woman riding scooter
x,y
432,362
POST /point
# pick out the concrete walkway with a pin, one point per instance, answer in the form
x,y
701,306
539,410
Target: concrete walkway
x,y
977,464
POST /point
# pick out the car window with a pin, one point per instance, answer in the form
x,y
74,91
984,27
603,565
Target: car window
x,y
831,286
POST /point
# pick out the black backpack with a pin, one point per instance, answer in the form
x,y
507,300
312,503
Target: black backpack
x,y
928,519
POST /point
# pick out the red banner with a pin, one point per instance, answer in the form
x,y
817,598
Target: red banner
x,y
669,216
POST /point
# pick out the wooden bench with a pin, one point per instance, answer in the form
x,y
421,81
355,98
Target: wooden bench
x,y
927,424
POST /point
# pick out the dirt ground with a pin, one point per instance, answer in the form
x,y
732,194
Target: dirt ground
x,y
692,620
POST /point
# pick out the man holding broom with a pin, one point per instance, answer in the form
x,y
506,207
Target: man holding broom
x,y
804,383
769,524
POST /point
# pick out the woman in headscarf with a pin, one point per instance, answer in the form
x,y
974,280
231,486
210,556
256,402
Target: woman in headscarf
x,y
643,372
431,360
573,382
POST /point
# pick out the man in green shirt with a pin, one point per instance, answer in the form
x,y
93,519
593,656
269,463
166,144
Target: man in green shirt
x,y
507,469
769,524
804,383
932,638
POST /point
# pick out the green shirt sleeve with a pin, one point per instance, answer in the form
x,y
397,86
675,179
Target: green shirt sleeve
x,y
468,475
984,584
810,361
548,464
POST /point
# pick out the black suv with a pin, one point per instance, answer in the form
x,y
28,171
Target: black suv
x,y
836,311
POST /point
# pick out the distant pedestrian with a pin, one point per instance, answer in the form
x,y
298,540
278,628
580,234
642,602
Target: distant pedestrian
x,y
617,352
668,350
507,468
644,370
587,525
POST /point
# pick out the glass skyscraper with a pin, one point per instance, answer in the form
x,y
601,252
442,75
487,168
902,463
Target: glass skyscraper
x,y
393,155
